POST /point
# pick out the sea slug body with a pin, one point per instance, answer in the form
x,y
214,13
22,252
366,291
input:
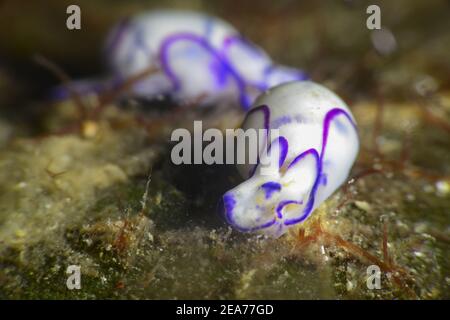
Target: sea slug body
x,y
316,146
196,55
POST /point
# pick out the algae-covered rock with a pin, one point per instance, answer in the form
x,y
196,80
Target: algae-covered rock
x,y
102,194
68,200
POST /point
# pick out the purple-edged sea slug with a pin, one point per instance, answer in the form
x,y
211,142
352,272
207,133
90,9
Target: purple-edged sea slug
x,y
310,157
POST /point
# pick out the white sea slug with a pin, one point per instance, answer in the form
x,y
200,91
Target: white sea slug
x,y
196,55
314,152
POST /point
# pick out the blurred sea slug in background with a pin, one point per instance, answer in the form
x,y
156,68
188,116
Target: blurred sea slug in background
x,y
193,55
313,153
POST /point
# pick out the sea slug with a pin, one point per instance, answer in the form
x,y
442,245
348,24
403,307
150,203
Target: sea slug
x,y
194,55
312,155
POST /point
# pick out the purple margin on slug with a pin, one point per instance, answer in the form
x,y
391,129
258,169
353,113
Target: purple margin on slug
x,y
309,205
284,147
326,126
284,203
266,114
319,163
255,51
229,204
270,187
302,155
226,67
258,54
265,109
